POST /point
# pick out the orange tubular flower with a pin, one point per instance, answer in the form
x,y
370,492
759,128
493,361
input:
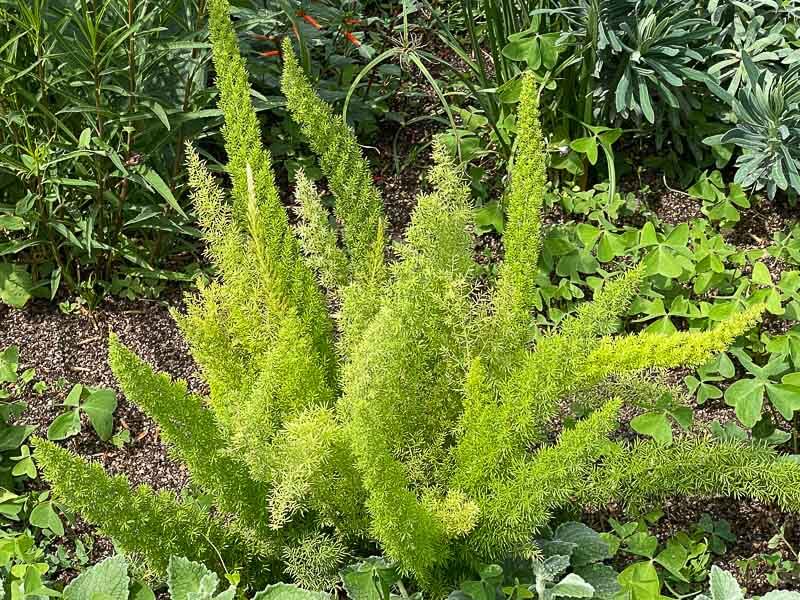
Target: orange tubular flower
x,y
353,39
260,37
309,19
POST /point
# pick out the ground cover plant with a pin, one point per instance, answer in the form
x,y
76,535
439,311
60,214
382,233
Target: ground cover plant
x,y
694,277
421,415
31,523
187,580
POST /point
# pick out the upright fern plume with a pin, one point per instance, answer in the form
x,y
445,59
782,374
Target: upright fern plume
x,y
317,237
155,525
194,438
401,418
416,414
358,204
357,271
646,472
514,297
270,252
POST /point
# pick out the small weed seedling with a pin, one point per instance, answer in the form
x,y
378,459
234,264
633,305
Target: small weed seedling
x,y
98,404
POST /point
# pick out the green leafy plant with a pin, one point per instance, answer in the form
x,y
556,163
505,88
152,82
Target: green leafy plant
x,y
767,129
786,245
725,587
603,138
418,415
373,579
679,564
667,255
97,404
716,531
662,41
704,384
489,586
30,519
97,98
18,505
12,383
581,551
747,394
16,285
657,422
122,437
186,580
719,205
24,568
568,564
764,37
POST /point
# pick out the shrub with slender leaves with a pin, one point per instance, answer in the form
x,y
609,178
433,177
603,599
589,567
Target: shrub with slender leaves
x,y
96,99
599,62
420,413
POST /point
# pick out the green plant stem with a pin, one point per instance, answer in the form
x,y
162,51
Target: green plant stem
x,y
187,97
132,94
541,588
100,179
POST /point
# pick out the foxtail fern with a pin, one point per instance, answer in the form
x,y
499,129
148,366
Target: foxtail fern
x,y
420,413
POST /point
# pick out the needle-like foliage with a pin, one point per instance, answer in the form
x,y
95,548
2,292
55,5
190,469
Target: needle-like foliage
x,y
420,414
155,525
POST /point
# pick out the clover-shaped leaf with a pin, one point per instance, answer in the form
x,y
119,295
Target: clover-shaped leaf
x,y
747,394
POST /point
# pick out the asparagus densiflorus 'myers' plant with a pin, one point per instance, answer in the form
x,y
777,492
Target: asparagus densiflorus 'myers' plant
x,y
421,413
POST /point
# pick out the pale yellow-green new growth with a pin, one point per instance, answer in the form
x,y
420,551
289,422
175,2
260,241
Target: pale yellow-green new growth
x,y
317,237
636,352
257,211
514,297
358,204
418,417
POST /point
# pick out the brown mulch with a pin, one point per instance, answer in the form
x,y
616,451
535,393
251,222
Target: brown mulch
x,y
761,221
675,208
72,348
